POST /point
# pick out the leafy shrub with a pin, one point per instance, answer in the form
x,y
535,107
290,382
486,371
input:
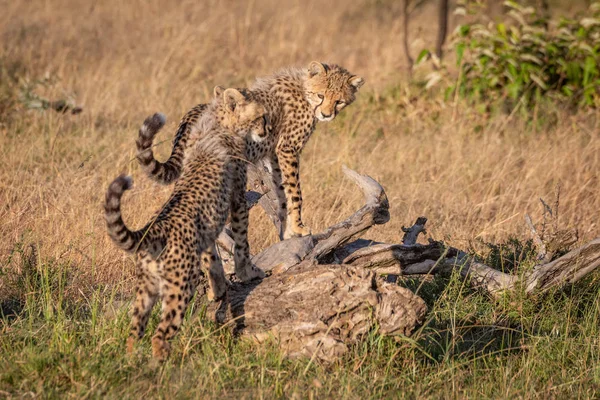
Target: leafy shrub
x,y
530,58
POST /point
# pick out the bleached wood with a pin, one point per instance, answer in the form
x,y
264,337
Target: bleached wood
x,y
411,234
565,270
261,182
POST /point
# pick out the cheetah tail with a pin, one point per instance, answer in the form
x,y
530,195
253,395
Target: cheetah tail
x,y
117,230
167,172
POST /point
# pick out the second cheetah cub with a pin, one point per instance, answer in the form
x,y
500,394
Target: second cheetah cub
x,y
173,246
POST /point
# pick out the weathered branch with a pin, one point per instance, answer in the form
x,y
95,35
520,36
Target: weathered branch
x,y
283,255
481,275
563,271
411,234
261,181
549,244
414,259
542,255
567,269
393,258
374,212
435,258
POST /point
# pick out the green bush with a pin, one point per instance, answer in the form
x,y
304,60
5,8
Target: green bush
x,y
530,58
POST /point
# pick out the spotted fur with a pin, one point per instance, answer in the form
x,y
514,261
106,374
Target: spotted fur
x,y
177,247
295,98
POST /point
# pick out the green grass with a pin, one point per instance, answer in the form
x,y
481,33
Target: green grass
x,y
55,344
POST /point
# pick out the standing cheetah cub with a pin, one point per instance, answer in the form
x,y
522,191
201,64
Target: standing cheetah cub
x,y
173,246
295,98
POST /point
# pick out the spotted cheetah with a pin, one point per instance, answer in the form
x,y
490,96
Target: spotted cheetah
x,y
179,242
295,98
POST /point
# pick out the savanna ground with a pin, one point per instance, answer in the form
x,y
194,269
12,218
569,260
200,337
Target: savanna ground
x,y
64,286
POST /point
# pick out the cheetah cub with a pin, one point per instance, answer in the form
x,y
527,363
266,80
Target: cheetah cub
x,y
295,98
174,248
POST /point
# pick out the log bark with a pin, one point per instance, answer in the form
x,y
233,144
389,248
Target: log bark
x,y
317,311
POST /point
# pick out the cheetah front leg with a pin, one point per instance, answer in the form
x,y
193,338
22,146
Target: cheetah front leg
x,y
279,193
244,269
289,162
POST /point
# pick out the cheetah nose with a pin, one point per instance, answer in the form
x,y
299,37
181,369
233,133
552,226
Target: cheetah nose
x,y
325,115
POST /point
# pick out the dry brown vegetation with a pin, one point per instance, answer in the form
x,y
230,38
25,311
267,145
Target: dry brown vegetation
x,y
473,175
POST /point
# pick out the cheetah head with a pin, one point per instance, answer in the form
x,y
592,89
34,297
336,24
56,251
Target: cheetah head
x,y
244,114
329,88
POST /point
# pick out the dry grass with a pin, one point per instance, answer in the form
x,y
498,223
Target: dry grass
x,y
471,174
123,61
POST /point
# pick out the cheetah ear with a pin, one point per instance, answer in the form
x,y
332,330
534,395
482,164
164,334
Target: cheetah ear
x,y
232,98
356,81
316,68
218,90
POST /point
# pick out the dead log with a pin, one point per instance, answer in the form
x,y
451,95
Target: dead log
x,y
436,257
322,292
310,304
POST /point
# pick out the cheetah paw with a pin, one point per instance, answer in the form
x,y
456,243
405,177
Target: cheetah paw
x,y
217,287
222,291
248,274
160,349
130,343
296,231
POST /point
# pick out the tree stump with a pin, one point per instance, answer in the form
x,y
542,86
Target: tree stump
x,y
318,310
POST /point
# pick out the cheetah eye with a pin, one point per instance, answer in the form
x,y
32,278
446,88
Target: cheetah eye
x,y
340,103
321,96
